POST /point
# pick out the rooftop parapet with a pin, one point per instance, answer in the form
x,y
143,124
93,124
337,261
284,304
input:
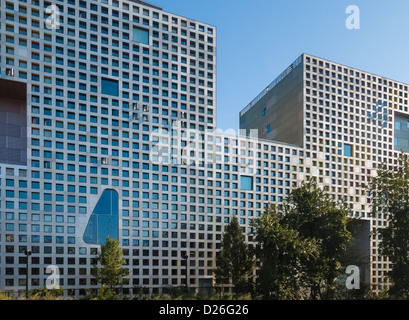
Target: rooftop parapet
x,y
272,84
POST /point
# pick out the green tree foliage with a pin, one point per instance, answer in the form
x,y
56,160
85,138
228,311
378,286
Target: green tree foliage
x,y
109,270
311,212
46,294
234,262
282,255
4,296
299,249
390,200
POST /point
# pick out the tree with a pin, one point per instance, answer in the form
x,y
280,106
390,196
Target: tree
x,y
282,255
310,211
390,200
234,262
108,268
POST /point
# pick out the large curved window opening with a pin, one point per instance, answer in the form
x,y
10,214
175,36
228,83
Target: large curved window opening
x,y
103,221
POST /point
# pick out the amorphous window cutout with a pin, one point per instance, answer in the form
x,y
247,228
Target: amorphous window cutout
x,y
103,221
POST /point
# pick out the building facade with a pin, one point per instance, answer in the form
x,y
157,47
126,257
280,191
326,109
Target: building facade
x,y
347,122
108,128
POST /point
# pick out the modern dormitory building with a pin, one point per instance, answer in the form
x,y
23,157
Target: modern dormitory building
x,y
108,128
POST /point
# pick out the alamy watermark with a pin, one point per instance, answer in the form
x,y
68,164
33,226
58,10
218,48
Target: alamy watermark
x,y
53,281
353,281
353,21
178,145
53,20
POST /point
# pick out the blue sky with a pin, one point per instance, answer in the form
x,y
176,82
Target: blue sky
x,y
257,40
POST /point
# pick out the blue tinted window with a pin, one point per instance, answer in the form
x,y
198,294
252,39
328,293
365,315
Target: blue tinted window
x,y
347,150
103,221
109,87
246,183
141,35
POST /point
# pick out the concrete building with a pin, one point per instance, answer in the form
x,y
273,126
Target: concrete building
x,y
83,86
346,122
108,128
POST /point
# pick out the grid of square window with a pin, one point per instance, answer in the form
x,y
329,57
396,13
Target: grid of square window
x,y
353,122
97,85
97,88
106,87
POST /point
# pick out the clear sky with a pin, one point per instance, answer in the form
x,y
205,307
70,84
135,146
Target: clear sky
x,y
257,40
